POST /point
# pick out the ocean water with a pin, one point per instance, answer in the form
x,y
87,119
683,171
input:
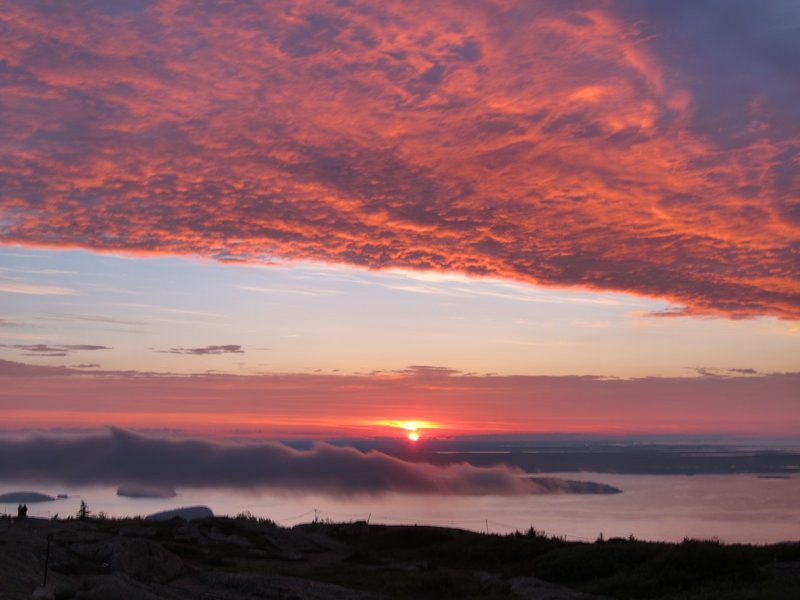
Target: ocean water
x,y
742,508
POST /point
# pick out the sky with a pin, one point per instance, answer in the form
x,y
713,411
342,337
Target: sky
x,y
323,219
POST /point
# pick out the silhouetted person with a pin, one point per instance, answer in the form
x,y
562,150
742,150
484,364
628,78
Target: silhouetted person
x,y
22,511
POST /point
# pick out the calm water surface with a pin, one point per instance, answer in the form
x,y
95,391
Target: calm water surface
x,y
732,508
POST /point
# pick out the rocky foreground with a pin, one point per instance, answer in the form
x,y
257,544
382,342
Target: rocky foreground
x,y
245,558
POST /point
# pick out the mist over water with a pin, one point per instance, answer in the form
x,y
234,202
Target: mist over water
x,y
735,493
742,508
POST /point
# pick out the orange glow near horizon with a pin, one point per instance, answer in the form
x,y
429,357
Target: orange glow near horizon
x,y
328,407
249,425
411,425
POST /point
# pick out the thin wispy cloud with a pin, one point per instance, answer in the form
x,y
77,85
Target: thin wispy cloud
x,y
37,271
188,311
53,350
9,368
592,324
424,289
730,372
91,319
463,287
206,350
303,291
32,289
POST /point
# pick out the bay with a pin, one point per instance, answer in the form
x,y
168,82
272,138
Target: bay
x,y
741,508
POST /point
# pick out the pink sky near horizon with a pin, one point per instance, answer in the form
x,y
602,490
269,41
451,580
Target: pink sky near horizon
x,y
319,406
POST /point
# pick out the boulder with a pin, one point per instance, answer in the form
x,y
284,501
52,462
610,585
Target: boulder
x,y
142,559
188,513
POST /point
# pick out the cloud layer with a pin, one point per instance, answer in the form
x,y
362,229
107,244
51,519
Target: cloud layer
x,y
616,146
325,405
122,456
205,350
52,349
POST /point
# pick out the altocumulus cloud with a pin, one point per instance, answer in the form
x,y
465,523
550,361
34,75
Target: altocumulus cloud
x,y
122,456
631,146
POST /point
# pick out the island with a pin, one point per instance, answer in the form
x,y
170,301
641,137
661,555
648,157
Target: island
x,y
25,497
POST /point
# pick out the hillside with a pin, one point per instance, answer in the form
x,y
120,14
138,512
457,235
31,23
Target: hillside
x,y
246,558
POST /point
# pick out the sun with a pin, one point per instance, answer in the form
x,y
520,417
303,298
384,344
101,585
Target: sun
x,y
413,429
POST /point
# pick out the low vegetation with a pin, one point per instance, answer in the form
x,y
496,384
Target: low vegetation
x,y
620,567
94,557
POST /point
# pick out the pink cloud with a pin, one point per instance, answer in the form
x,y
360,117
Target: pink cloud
x,y
557,144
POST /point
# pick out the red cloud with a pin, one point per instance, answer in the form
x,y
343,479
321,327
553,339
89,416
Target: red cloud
x,y
548,143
